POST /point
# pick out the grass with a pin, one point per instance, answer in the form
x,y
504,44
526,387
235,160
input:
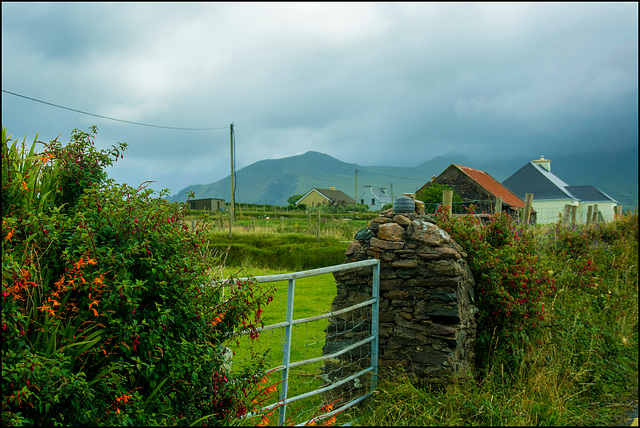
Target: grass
x,y
313,296
580,369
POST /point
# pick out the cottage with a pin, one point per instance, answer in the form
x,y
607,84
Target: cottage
x,y
551,194
375,199
209,204
474,185
329,196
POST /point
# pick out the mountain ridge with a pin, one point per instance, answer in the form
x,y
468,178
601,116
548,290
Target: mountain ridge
x,y
272,181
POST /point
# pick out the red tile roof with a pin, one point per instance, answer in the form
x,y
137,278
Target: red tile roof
x,y
491,185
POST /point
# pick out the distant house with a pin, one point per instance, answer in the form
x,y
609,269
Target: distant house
x,y
474,185
209,204
329,196
375,199
551,194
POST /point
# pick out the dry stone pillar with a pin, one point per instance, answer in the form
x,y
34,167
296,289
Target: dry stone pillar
x,y
427,312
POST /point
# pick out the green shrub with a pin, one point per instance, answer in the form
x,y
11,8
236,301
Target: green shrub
x,y
109,316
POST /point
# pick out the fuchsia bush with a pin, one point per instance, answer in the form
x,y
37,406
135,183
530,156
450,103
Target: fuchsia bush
x,y
108,314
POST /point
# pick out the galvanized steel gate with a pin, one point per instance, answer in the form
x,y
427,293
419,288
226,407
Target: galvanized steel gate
x,y
290,322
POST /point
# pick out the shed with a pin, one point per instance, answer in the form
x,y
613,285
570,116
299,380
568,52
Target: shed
x,y
551,194
208,204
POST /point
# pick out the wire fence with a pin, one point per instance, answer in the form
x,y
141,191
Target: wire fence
x,y
321,365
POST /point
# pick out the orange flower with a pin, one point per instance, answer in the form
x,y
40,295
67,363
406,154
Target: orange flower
x,y
25,185
216,320
264,421
48,156
47,308
9,235
330,421
99,280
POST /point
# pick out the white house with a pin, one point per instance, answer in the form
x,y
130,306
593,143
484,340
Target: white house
x,y
375,199
551,194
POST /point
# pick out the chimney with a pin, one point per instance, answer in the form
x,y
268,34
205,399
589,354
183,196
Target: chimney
x,y
332,188
544,163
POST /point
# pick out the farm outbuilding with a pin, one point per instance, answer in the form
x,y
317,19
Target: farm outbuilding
x,y
208,204
328,196
551,194
474,185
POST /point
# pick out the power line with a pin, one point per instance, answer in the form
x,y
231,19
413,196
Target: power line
x,y
111,118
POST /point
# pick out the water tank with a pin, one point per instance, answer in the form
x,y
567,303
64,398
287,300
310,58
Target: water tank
x,y
404,204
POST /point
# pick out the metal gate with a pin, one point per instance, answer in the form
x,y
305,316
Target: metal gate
x,y
288,324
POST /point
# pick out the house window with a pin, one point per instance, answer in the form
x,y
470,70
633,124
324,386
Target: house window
x,y
373,201
362,201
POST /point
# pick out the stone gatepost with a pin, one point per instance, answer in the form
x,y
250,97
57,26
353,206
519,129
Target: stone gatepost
x,y
427,313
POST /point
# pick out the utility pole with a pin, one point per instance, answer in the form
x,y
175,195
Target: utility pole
x,y
233,199
356,187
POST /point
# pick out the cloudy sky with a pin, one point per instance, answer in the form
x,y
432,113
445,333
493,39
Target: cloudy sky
x,y
370,83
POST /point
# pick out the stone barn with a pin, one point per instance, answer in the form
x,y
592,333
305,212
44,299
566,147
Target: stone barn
x,y
476,185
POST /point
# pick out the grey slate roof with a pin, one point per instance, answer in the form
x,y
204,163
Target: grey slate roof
x,y
590,194
533,178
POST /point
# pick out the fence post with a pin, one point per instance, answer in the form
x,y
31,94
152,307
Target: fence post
x,y
528,202
447,200
596,219
498,208
574,210
617,211
565,214
318,229
589,214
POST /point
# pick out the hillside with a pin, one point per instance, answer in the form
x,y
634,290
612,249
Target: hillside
x,y
272,181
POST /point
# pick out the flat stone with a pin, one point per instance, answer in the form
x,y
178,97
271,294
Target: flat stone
x,y
381,220
443,295
353,248
429,233
406,315
431,357
396,295
445,267
390,232
441,330
404,264
390,284
383,318
386,245
450,316
402,220
438,253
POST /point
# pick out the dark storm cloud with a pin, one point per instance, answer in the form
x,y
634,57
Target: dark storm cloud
x,y
358,81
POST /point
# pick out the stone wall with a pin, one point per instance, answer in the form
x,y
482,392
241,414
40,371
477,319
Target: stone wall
x,y
426,318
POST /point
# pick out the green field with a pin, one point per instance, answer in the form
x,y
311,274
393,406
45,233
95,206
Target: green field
x,y
581,369
313,296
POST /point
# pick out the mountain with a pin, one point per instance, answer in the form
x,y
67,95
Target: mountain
x,y
272,181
